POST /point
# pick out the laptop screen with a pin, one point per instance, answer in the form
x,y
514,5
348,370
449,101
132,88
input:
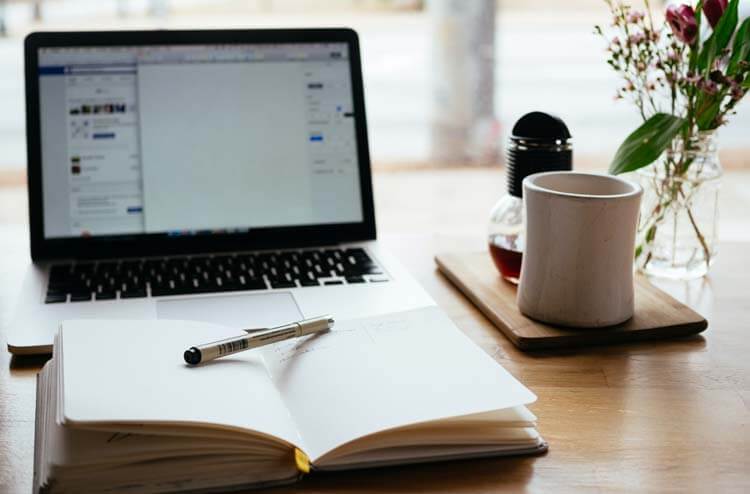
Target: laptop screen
x,y
196,139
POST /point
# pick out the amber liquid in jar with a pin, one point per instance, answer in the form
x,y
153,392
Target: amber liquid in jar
x,y
507,261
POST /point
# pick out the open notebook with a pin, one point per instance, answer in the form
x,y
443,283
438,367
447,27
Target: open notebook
x,y
118,409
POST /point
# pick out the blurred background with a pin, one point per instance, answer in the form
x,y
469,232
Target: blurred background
x,y
444,79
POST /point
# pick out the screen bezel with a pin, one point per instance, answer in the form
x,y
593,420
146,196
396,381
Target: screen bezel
x,y
155,244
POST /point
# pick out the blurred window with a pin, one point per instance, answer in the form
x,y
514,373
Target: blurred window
x,y
444,80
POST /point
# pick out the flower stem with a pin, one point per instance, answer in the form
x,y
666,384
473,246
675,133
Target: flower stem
x,y
701,238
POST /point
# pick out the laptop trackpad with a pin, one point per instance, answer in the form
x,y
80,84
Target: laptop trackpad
x,y
239,311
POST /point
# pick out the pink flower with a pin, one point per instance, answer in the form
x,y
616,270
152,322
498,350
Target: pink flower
x,y
635,16
682,21
636,38
714,9
708,87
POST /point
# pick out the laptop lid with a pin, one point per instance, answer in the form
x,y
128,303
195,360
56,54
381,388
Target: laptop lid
x,y
166,142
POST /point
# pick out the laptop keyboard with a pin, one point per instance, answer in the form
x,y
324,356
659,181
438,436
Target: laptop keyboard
x,y
138,278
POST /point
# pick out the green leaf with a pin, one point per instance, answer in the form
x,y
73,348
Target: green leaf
x,y
720,38
740,47
646,143
727,23
708,107
706,118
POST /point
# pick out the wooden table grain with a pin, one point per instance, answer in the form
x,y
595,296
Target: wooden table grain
x,y
655,417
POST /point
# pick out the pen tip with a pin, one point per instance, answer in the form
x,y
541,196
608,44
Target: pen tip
x,y
192,356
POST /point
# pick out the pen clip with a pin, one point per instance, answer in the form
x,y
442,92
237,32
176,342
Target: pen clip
x,y
255,330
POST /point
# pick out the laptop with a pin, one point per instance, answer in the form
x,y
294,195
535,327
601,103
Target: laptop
x,y
221,176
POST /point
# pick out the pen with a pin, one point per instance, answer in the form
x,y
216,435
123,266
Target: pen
x,y
210,351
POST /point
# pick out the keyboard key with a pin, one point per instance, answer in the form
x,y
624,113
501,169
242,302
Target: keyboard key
x,y
105,295
254,284
308,282
176,290
159,291
135,293
80,297
333,282
55,298
283,284
355,279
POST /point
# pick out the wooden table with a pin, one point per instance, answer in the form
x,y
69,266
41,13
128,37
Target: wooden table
x,y
660,416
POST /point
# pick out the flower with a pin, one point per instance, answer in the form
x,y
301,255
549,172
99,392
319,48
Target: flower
x,y
692,78
714,9
708,86
635,16
736,91
682,21
636,38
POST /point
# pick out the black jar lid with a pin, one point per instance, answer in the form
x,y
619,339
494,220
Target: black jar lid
x,y
539,143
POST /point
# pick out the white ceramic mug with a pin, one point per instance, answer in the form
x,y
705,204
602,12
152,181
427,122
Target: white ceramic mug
x,y
577,267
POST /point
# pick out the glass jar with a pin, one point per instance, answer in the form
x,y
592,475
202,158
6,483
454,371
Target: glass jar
x,y
506,236
677,230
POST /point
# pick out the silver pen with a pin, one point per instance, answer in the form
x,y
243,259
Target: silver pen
x,y
256,338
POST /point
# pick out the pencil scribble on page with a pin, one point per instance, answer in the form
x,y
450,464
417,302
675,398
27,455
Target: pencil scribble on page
x,y
374,328
326,341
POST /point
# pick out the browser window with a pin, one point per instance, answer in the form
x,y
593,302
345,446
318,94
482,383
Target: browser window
x,y
196,139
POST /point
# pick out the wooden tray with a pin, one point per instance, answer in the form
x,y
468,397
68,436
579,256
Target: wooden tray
x,y
657,315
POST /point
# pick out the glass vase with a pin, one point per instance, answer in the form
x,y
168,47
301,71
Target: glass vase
x,y
677,230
